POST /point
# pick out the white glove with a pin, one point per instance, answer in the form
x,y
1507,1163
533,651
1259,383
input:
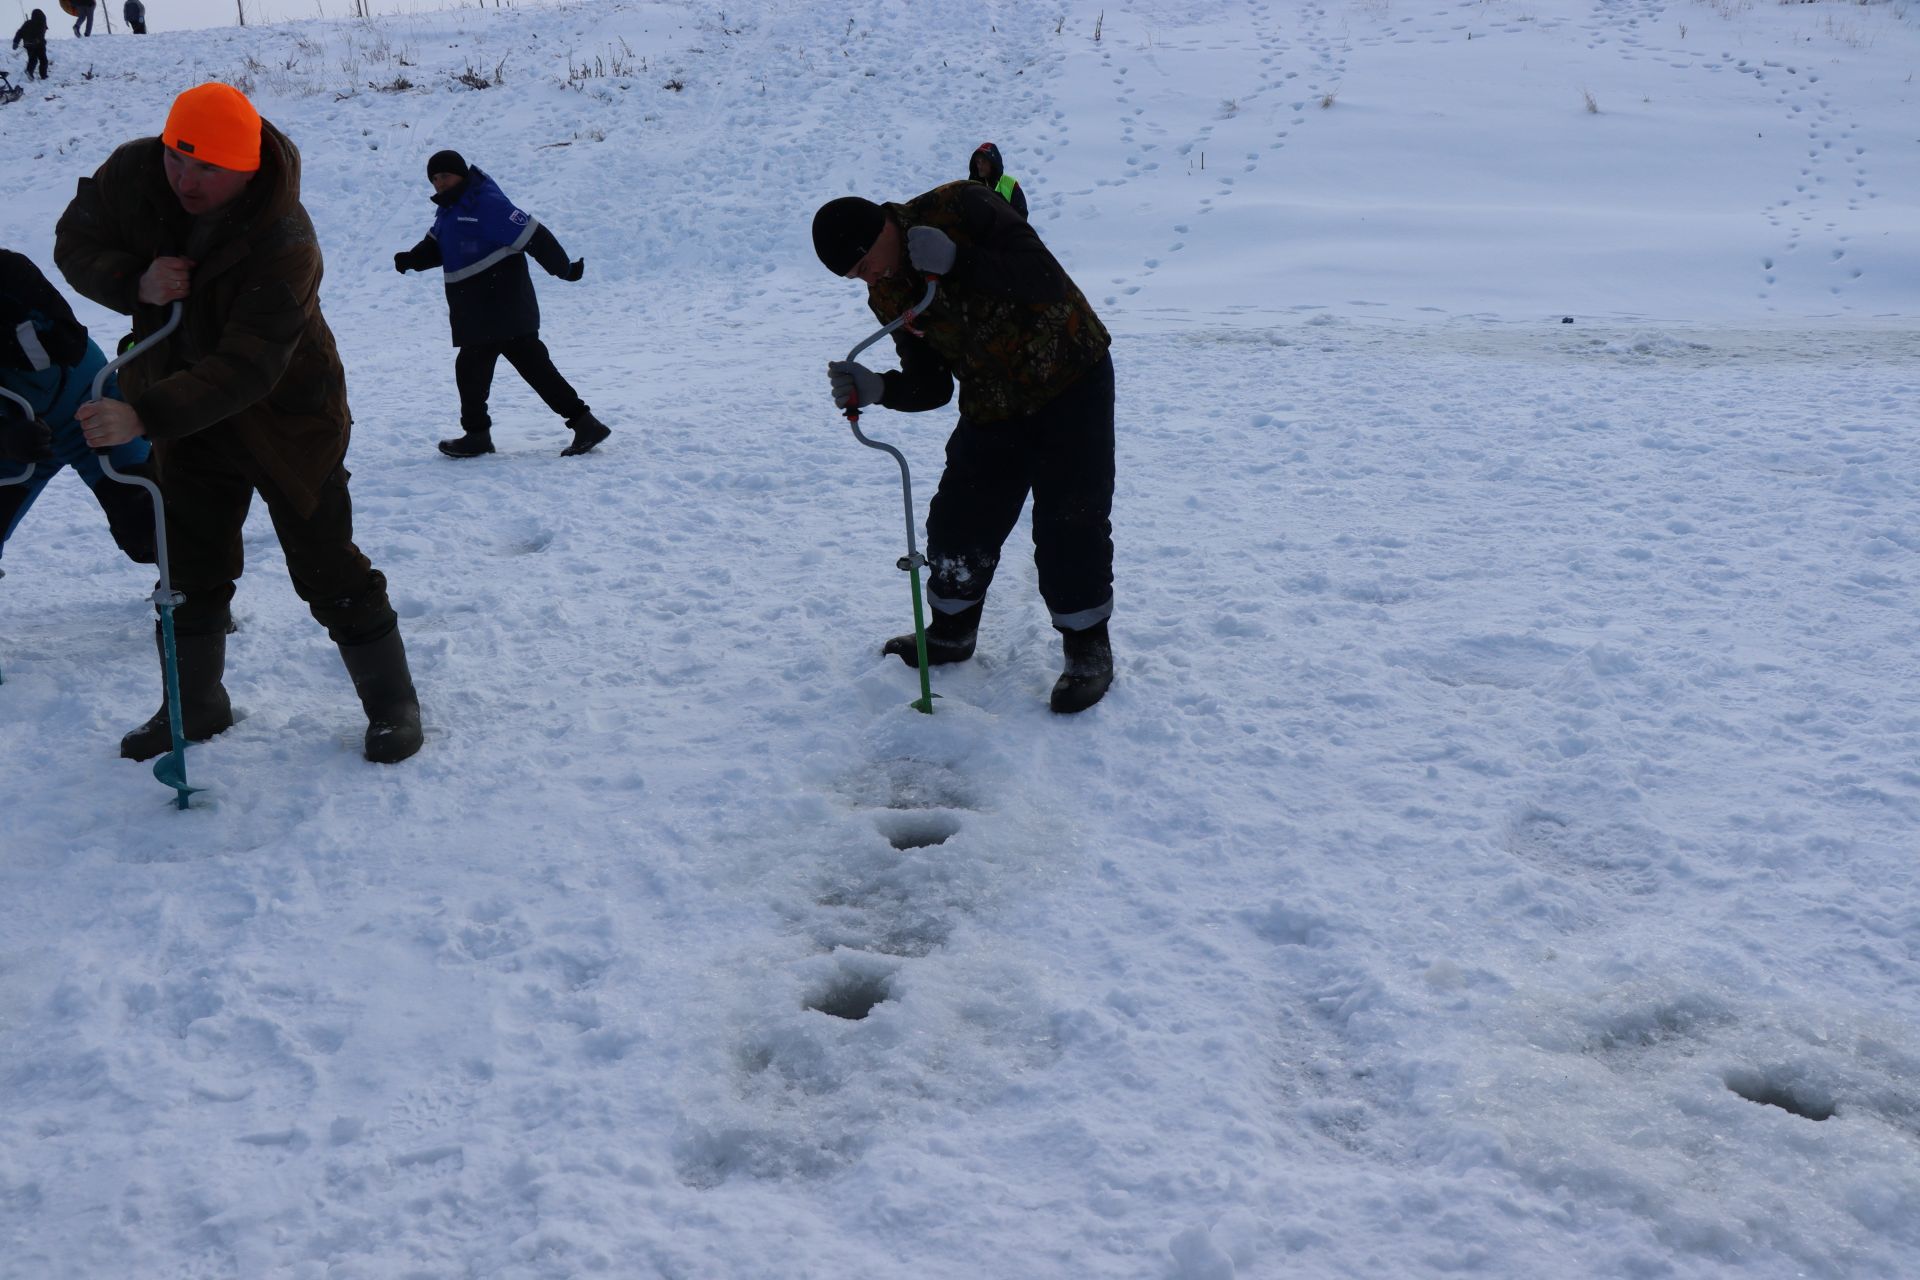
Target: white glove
x,y
930,250
855,385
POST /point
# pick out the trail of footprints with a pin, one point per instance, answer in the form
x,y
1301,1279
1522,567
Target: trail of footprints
x,y
1833,171
805,1091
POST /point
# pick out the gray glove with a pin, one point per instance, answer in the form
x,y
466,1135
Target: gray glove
x,y
931,250
854,385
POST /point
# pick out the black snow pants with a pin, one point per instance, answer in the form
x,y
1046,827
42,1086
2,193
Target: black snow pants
x,y
208,482
473,373
1063,455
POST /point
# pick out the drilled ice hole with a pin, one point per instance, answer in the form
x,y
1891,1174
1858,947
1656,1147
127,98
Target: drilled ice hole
x,y
853,997
1799,1100
917,829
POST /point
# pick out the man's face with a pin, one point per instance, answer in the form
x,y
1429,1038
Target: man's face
x,y
444,181
884,260
201,187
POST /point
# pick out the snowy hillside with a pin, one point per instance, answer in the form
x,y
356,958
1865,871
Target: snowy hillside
x,y
1496,855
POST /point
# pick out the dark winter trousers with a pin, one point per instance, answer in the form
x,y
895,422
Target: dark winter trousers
x,y
473,372
208,482
1063,455
37,56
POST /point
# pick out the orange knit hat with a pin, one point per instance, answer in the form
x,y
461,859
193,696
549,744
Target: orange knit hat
x,y
215,124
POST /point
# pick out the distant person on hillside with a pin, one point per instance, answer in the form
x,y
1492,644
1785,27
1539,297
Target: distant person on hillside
x,y
136,15
1036,410
47,360
83,16
33,34
247,396
480,240
987,169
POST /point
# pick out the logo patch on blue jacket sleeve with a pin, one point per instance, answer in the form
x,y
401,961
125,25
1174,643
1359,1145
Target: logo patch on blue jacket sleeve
x,y
517,218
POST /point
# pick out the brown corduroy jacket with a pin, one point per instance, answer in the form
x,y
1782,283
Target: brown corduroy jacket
x,y
252,349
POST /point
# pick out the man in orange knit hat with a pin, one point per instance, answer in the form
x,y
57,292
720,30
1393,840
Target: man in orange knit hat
x,y
246,396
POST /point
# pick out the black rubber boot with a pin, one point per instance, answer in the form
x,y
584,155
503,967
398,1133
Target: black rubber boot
x,y
385,686
204,707
1089,669
470,445
588,431
950,638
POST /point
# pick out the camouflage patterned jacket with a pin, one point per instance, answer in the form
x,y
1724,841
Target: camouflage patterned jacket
x,y
1007,321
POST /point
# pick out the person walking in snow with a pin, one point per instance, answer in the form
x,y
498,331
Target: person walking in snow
x,y
47,360
1036,410
33,34
83,15
246,397
135,13
480,241
987,169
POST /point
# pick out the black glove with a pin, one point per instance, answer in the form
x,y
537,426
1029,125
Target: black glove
x,y
575,269
851,380
400,263
23,439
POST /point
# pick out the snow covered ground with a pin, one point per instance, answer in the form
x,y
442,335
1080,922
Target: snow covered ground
x,y
1497,855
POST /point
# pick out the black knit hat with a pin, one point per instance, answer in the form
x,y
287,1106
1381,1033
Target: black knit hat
x,y
843,231
447,162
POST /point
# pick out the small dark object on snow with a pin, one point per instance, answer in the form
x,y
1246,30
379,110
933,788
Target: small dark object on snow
x,y
1566,319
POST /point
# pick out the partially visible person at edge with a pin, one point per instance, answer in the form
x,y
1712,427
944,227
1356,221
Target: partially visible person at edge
x,y
987,169
481,242
1036,410
47,359
33,34
83,15
247,396
135,13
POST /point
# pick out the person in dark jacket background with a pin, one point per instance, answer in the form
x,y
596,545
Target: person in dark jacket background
x,y
33,34
1036,410
135,12
481,242
246,397
83,15
987,169
47,359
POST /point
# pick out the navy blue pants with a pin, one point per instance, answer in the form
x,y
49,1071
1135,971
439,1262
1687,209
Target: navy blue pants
x,y
1062,455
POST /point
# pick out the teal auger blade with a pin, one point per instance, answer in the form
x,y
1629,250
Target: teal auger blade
x,y
171,769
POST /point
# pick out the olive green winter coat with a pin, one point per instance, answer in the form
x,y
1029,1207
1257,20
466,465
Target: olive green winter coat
x,y
252,349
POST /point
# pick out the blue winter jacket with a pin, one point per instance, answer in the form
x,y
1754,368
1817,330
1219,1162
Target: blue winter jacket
x,y
480,240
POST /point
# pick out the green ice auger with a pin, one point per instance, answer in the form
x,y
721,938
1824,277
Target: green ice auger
x,y
913,560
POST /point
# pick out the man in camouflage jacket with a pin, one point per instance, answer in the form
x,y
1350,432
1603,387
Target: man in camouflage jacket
x,y
1036,410
246,396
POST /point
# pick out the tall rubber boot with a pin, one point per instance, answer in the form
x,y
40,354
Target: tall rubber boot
x,y
385,686
950,638
204,707
1089,669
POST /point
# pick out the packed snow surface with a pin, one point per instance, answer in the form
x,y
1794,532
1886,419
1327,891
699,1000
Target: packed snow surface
x,y
1496,856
